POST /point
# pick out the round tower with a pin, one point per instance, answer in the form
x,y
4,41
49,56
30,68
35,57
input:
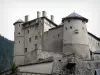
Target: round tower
x,y
18,43
75,38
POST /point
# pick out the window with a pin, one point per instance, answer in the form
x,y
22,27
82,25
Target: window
x,y
76,31
66,28
36,25
68,21
28,31
19,25
98,44
58,35
19,41
25,50
35,46
18,33
59,60
83,21
29,39
70,27
36,37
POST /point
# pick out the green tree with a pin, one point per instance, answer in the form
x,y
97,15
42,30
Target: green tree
x,y
6,53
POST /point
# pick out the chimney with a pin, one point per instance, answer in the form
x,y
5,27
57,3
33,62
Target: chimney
x,y
52,18
38,14
43,13
26,18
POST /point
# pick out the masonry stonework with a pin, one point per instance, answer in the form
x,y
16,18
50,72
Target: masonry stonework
x,y
69,44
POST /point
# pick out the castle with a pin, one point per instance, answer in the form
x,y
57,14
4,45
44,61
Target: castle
x,y
43,40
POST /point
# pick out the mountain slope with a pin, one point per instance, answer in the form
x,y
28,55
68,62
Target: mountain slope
x,y
6,53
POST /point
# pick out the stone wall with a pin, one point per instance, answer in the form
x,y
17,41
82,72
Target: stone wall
x,y
82,67
53,40
30,57
94,44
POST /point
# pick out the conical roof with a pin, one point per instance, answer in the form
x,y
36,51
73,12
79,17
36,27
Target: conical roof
x,y
19,21
75,16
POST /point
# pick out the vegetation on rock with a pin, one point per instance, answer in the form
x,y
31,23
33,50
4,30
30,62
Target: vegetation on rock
x,y
6,53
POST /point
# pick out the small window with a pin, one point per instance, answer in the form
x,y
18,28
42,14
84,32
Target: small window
x,y
59,60
70,27
36,26
68,21
19,41
19,25
66,28
29,39
36,37
76,31
58,35
35,46
83,21
98,44
18,33
25,50
28,31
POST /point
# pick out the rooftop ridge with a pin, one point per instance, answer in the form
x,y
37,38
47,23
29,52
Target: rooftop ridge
x,y
74,15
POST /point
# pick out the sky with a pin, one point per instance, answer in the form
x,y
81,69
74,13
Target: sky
x,y
12,10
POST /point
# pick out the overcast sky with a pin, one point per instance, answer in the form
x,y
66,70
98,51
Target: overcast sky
x,y
12,10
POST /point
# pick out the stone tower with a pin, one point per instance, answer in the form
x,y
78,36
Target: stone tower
x,y
75,38
19,43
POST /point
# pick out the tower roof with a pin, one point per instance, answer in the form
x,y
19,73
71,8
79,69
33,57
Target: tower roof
x,y
18,21
75,16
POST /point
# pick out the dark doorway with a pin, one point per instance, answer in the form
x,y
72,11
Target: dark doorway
x,y
70,68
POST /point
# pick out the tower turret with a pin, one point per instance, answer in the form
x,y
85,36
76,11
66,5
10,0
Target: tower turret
x,y
75,38
19,43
